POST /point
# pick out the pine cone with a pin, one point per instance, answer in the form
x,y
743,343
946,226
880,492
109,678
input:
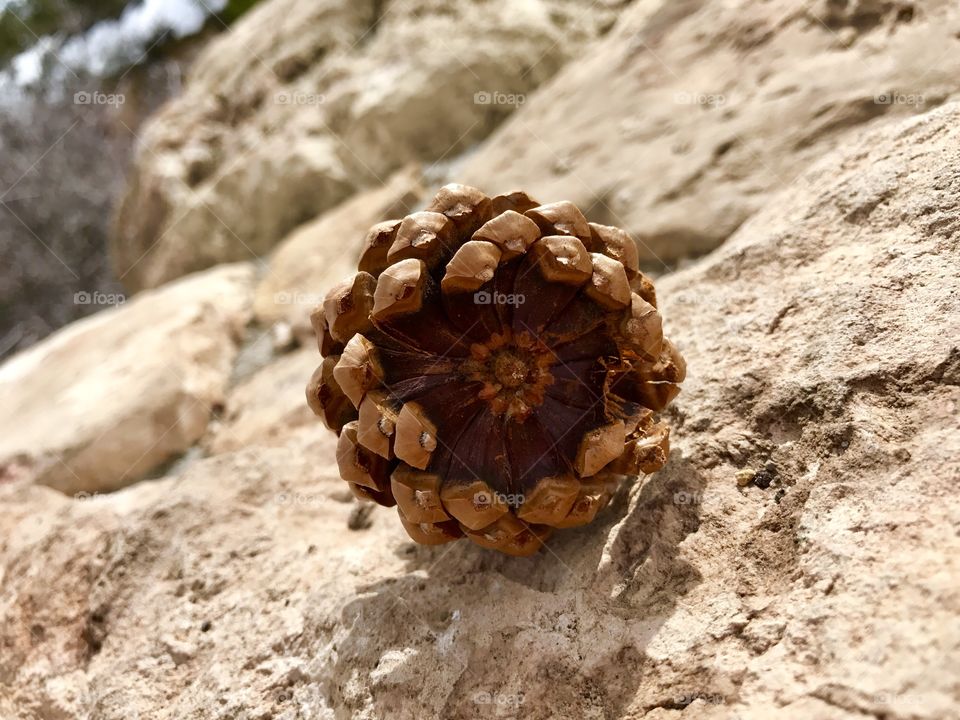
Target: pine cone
x,y
493,369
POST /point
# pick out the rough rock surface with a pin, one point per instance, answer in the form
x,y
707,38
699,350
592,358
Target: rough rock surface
x,y
797,558
107,399
303,103
321,253
685,118
266,407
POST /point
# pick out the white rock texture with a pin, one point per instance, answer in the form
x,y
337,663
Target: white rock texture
x,y
682,121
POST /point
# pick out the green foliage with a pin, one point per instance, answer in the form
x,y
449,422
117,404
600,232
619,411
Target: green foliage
x,y
23,21
16,28
236,8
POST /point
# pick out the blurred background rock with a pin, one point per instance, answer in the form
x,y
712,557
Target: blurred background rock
x,y
77,79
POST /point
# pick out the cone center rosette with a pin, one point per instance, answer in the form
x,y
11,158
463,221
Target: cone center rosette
x,y
510,371
514,371
493,369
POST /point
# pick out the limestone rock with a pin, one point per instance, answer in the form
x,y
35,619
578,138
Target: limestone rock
x,y
185,538
682,121
265,408
821,344
104,401
303,103
319,254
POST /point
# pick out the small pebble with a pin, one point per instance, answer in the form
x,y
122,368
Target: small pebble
x,y
765,477
360,517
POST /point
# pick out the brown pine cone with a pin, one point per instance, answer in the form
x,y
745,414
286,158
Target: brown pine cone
x,y
493,369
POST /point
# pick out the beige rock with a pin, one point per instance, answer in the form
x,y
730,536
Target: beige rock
x,y
321,253
102,402
185,538
682,121
821,344
302,103
265,408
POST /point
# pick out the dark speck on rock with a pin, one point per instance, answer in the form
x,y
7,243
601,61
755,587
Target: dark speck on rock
x,y
360,517
766,476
